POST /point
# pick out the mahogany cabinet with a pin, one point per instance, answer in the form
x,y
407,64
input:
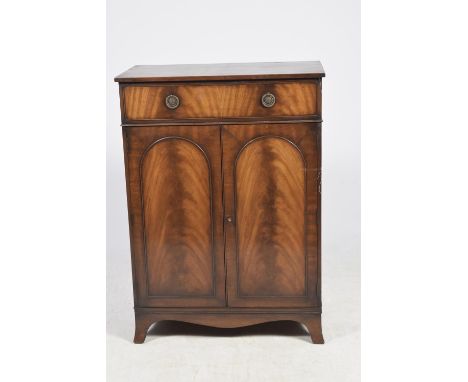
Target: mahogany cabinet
x,y
223,186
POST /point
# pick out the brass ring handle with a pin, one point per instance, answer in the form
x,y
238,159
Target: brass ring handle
x,y
172,101
268,100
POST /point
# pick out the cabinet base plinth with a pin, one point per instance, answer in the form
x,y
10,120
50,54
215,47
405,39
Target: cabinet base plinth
x,y
145,317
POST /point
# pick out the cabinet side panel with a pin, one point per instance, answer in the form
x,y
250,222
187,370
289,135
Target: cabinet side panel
x,y
178,228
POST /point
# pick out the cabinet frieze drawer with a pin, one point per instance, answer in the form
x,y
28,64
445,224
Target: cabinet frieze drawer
x,y
239,100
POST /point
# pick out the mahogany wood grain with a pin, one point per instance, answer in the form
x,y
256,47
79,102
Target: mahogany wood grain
x,y
174,197
220,100
178,223
224,194
314,326
226,319
270,198
213,72
272,243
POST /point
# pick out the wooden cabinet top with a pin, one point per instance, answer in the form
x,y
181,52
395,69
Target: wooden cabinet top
x,y
223,72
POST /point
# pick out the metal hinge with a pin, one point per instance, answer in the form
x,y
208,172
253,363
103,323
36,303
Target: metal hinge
x,y
319,179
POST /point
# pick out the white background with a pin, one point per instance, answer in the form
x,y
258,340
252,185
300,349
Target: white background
x,y
147,32
414,209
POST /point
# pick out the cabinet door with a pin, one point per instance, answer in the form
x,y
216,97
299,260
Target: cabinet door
x,y
272,212
175,213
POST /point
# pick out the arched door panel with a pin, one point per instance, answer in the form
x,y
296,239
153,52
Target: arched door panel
x,y
177,236
271,191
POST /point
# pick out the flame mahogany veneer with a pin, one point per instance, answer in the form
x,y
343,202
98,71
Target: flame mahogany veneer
x,y
223,185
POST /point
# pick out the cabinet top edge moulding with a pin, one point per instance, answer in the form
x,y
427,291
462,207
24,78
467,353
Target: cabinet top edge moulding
x,y
223,72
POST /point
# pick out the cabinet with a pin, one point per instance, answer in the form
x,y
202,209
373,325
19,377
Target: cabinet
x,y
223,188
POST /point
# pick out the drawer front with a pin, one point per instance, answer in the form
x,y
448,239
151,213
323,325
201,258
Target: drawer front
x,y
221,100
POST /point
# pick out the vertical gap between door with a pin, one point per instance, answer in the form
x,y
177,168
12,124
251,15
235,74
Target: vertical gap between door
x,y
224,215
